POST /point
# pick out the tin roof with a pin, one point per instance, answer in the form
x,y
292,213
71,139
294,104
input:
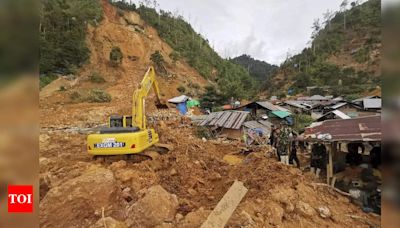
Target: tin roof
x,y
337,113
372,103
263,124
225,119
270,106
297,104
358,129
179,99
281,114
338,105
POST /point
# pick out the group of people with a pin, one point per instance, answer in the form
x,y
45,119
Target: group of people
x,y
283,140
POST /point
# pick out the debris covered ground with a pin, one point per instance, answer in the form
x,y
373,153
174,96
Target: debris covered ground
x,y
177,189
180,188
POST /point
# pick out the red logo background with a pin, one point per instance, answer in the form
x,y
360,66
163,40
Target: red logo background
x,y
19,207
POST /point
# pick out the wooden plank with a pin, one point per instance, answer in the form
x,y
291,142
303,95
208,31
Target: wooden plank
x,y
226,206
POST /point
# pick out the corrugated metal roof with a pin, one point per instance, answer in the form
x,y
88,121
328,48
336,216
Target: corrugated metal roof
x,y
313,98
372,103
357,129
179,99
338,105
263,124
225,119
297,104
270,106
341,114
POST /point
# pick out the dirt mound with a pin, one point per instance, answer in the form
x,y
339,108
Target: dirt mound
x,y
81,197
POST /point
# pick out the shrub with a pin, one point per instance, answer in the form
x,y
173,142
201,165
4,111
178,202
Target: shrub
x,y
301,121
157,58
181,89
116,56
95,77
91,96
175,56
75,96
98,96
44,80
203,132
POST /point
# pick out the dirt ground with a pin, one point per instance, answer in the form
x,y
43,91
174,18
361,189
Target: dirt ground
x,y
177,189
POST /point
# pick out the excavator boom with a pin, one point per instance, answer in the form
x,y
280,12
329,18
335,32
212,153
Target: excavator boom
x,y
138,108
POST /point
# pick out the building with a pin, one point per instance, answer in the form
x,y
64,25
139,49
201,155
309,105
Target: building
x,y
260,108
228,123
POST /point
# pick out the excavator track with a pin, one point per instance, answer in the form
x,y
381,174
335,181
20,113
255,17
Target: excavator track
x,y
149,154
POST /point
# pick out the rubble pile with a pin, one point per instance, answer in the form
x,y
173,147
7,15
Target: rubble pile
x,y
180,188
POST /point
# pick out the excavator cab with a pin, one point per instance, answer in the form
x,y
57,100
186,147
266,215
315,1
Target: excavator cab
x,y
120,121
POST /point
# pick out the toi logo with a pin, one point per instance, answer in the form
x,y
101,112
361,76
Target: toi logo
x,y
20,198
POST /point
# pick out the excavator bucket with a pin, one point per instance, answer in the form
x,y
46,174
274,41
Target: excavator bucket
x,y
161,105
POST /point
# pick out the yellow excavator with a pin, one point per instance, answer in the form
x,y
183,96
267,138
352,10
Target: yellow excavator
x,y
128,134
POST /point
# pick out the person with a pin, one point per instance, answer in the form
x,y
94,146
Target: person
x,y
271,136
276,141
318,152
353,158
293,154
283,145
375,155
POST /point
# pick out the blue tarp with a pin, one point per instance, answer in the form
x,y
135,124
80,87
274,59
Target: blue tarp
x,y
182,108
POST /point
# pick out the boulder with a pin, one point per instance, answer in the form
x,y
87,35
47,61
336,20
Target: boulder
x,y
77,200
155,207
195,218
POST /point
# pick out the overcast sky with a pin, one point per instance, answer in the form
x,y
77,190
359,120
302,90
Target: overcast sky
x,y
265,29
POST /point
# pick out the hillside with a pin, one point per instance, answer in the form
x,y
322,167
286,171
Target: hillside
x,y
344,55
258,69
99,88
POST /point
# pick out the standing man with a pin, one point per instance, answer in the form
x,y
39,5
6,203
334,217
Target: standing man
x,y
293,154
283,146
318,156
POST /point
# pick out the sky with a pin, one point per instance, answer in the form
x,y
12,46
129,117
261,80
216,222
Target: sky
x,y
264,29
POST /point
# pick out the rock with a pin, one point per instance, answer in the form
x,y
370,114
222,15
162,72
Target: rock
x,y
126,175
126,194
178,217
133,18
118,165
305,209
154,208
109,223
204,139
274,213
324,212
173,172
77,199
195,219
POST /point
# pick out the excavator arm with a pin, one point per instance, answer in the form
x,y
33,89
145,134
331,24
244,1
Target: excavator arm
x,y
138,108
